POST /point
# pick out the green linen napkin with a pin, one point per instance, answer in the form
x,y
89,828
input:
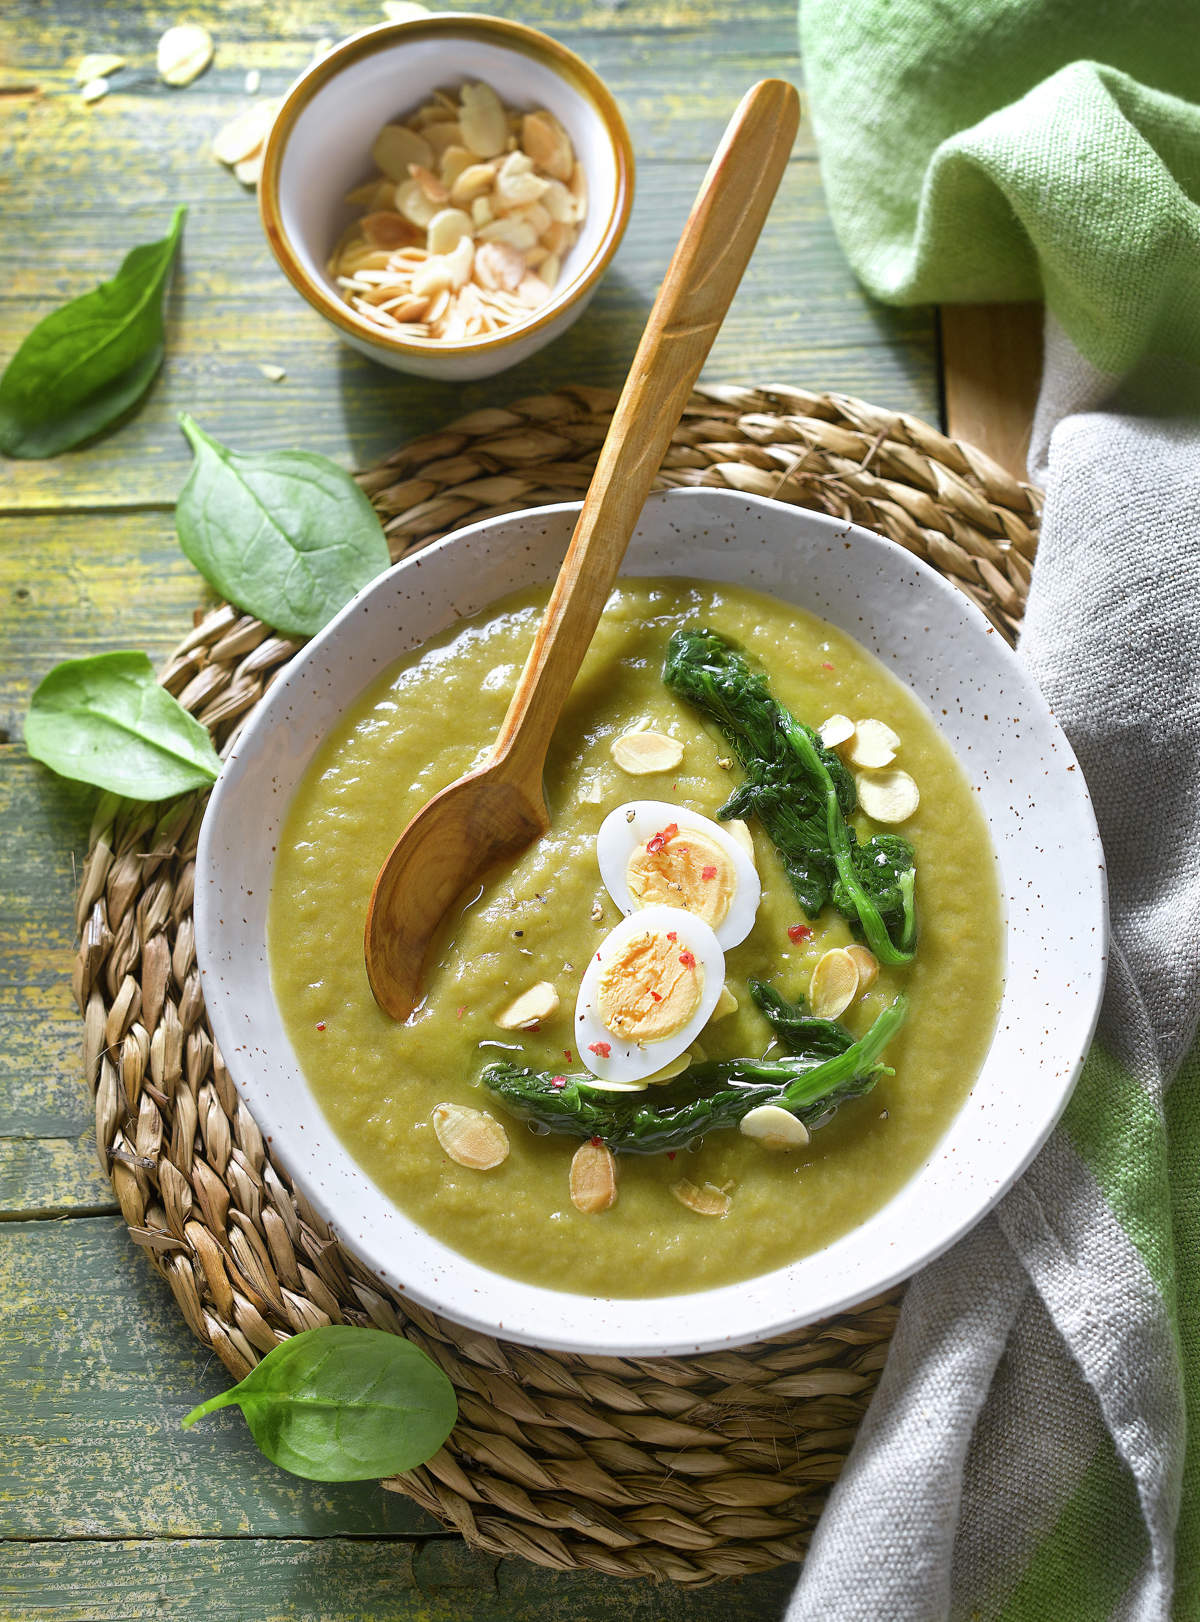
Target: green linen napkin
x,y
1033,1453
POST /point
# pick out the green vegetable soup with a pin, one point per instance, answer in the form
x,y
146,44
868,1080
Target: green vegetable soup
x,y
430,719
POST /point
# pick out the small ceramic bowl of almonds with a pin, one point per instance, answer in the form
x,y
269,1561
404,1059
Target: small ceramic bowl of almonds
x,y
447,192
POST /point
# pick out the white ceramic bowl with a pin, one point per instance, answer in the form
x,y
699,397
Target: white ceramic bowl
x,y
1002,731
320,147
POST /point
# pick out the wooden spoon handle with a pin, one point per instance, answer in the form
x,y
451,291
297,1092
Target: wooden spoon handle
x,y
703,276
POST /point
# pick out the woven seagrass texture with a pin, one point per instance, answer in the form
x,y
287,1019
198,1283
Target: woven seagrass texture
x,y
688,1469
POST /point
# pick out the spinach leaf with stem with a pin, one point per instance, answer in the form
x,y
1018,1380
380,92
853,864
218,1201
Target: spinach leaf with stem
x,y
106,720
343,1404
286,535
802,794
704,1098
85,364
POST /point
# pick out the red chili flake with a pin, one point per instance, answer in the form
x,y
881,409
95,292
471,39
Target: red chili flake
x,y
658,841
688,960
320,1024
461,1012
558,1081
654,994
708,872
596,1141
601,1049
825,665
799,932
671,935
670,1154
567,1056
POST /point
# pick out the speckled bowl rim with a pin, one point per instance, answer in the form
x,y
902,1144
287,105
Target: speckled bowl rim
x,y
487,1301
450,24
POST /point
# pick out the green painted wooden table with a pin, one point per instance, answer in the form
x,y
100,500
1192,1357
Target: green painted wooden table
x,y
107,1509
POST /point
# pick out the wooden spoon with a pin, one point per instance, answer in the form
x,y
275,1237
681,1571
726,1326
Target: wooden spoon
x,y
491,814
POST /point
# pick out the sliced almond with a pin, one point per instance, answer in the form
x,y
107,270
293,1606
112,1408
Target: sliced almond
x,y
481,211
243,135
834,984
404,11
272,373
499,265
412,202
455,161
249,170
643,753
707,1201
727,1004
545,141
471,1137
866,964
560,205
429,184
447,228
483,120
530,1008
774,1127
593,1179
516,184
874,745
835,729
669,1071
94,90
387,229
515,232
252,82
396,147
183,53
550,270
741,832
471,182
888,796
442,136
97,65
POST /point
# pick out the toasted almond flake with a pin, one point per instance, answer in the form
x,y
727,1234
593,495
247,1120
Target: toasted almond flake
x,y
834,984
97,65
774,1127
272,373
447,228
741,832
641,754
874,745
603,1086
429,184
499,265
404,11
866,964
243,135
669,1071
93,90
550,271
471,182
531,1007
322,46
387,229
412,202
253,81
249,170
836,729
455,161
481,211
516,184
483,119
396,146
727,1003
549,146
183,53
888,796
471,1137
706,1201
593,1179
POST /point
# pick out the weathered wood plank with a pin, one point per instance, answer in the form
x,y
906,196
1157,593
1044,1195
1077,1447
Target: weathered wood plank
x,y
97,1368
338,1580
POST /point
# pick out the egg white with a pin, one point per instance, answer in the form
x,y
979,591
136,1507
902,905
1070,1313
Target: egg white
x,y
629,1063
620,833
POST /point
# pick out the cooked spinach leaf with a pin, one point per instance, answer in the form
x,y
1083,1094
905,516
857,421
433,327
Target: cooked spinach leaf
x,y
802,794
343,1404
800,1032
85,364
810,1083
105,720
287,535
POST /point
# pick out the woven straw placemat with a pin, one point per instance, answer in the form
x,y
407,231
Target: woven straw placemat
x,y
683,1468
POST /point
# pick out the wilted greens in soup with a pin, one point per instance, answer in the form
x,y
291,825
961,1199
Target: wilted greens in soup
x,y
741,1081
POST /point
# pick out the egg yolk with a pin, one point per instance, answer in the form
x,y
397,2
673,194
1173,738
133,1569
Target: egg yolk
x,y
649,989
686,869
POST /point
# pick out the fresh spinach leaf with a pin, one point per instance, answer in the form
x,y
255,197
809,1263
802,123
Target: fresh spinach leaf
x,y
105,720
88,362
287,536
344,1404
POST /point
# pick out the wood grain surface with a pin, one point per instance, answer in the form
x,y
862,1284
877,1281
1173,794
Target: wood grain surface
x,y
107,1509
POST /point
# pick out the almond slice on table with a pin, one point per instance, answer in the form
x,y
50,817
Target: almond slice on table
x,y
874,745
706,1201
530,1008
97,65
834,984
774,1127
834,730
243,135
643,753
867,965
94,90
593,1179
888,796
183,53
249,170
471,1137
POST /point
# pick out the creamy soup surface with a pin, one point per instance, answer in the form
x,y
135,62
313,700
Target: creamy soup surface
x,y
428,720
